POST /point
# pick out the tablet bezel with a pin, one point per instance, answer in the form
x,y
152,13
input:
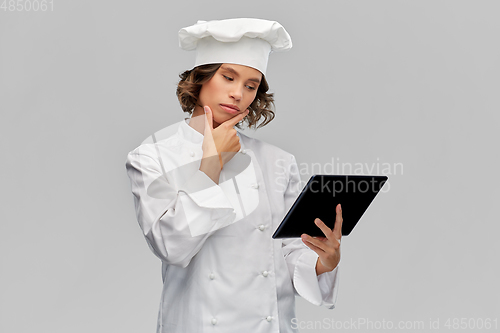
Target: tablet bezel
x,y
351,217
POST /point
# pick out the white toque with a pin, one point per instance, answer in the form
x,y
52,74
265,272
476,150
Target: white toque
x,y
242,41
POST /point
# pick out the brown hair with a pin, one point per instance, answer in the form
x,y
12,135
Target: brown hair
x,y
189,86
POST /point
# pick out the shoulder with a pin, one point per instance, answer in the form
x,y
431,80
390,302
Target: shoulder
x,y
167,138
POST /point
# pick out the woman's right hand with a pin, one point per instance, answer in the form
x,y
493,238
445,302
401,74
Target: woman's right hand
x,y
222,140
219,144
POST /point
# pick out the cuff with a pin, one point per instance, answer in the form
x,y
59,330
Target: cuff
x,y
202,192
328,284
318,290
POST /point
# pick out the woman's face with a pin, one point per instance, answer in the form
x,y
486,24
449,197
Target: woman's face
x,y
229,92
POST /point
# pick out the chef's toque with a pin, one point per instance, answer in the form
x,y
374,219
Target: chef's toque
x,y
241,41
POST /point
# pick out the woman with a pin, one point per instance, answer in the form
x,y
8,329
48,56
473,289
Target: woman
x,y
208,198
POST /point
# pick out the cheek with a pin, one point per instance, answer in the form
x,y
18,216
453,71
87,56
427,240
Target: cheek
x,y
207,90
251,98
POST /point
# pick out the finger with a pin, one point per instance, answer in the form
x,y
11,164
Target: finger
x,y
337,229
324,228
236,119
209,117
316,249
313,241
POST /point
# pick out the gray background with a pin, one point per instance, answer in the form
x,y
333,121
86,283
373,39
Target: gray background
x,y
411,82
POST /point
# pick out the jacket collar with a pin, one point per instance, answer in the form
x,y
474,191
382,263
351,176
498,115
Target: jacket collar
x,y
189,133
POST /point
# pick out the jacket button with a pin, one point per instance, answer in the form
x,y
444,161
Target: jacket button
x,y
261,227
255,185
269,318
191,153
211,276
243,151
265,273
214,321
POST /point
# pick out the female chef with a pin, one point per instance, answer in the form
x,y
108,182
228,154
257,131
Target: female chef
x,y
208,198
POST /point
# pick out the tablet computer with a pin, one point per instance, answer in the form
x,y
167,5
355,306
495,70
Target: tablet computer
x,y
319,198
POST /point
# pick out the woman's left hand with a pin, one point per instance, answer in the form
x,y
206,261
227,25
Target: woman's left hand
x,y
328,247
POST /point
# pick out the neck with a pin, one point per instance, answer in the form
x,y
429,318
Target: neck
x,y
198,120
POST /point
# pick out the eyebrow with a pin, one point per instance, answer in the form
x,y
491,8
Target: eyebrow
x,y
231,70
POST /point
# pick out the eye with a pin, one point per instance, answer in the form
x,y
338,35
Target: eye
x,y
251,88
227,77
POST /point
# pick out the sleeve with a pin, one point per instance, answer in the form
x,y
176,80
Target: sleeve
x,y
301,260
176,221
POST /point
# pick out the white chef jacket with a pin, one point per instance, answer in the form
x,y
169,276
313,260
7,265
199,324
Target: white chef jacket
x,y
222,271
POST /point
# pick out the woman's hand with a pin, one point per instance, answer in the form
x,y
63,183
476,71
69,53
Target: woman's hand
x,y
328,247
221,141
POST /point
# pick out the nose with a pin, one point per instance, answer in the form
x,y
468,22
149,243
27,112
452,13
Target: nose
x,y
236,93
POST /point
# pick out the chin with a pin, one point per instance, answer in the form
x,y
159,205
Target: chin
x,y
221,118
218,120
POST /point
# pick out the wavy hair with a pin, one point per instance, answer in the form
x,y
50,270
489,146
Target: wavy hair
x,y
189,87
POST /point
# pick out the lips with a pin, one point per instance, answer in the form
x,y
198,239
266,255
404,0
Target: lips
x,y
234,107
